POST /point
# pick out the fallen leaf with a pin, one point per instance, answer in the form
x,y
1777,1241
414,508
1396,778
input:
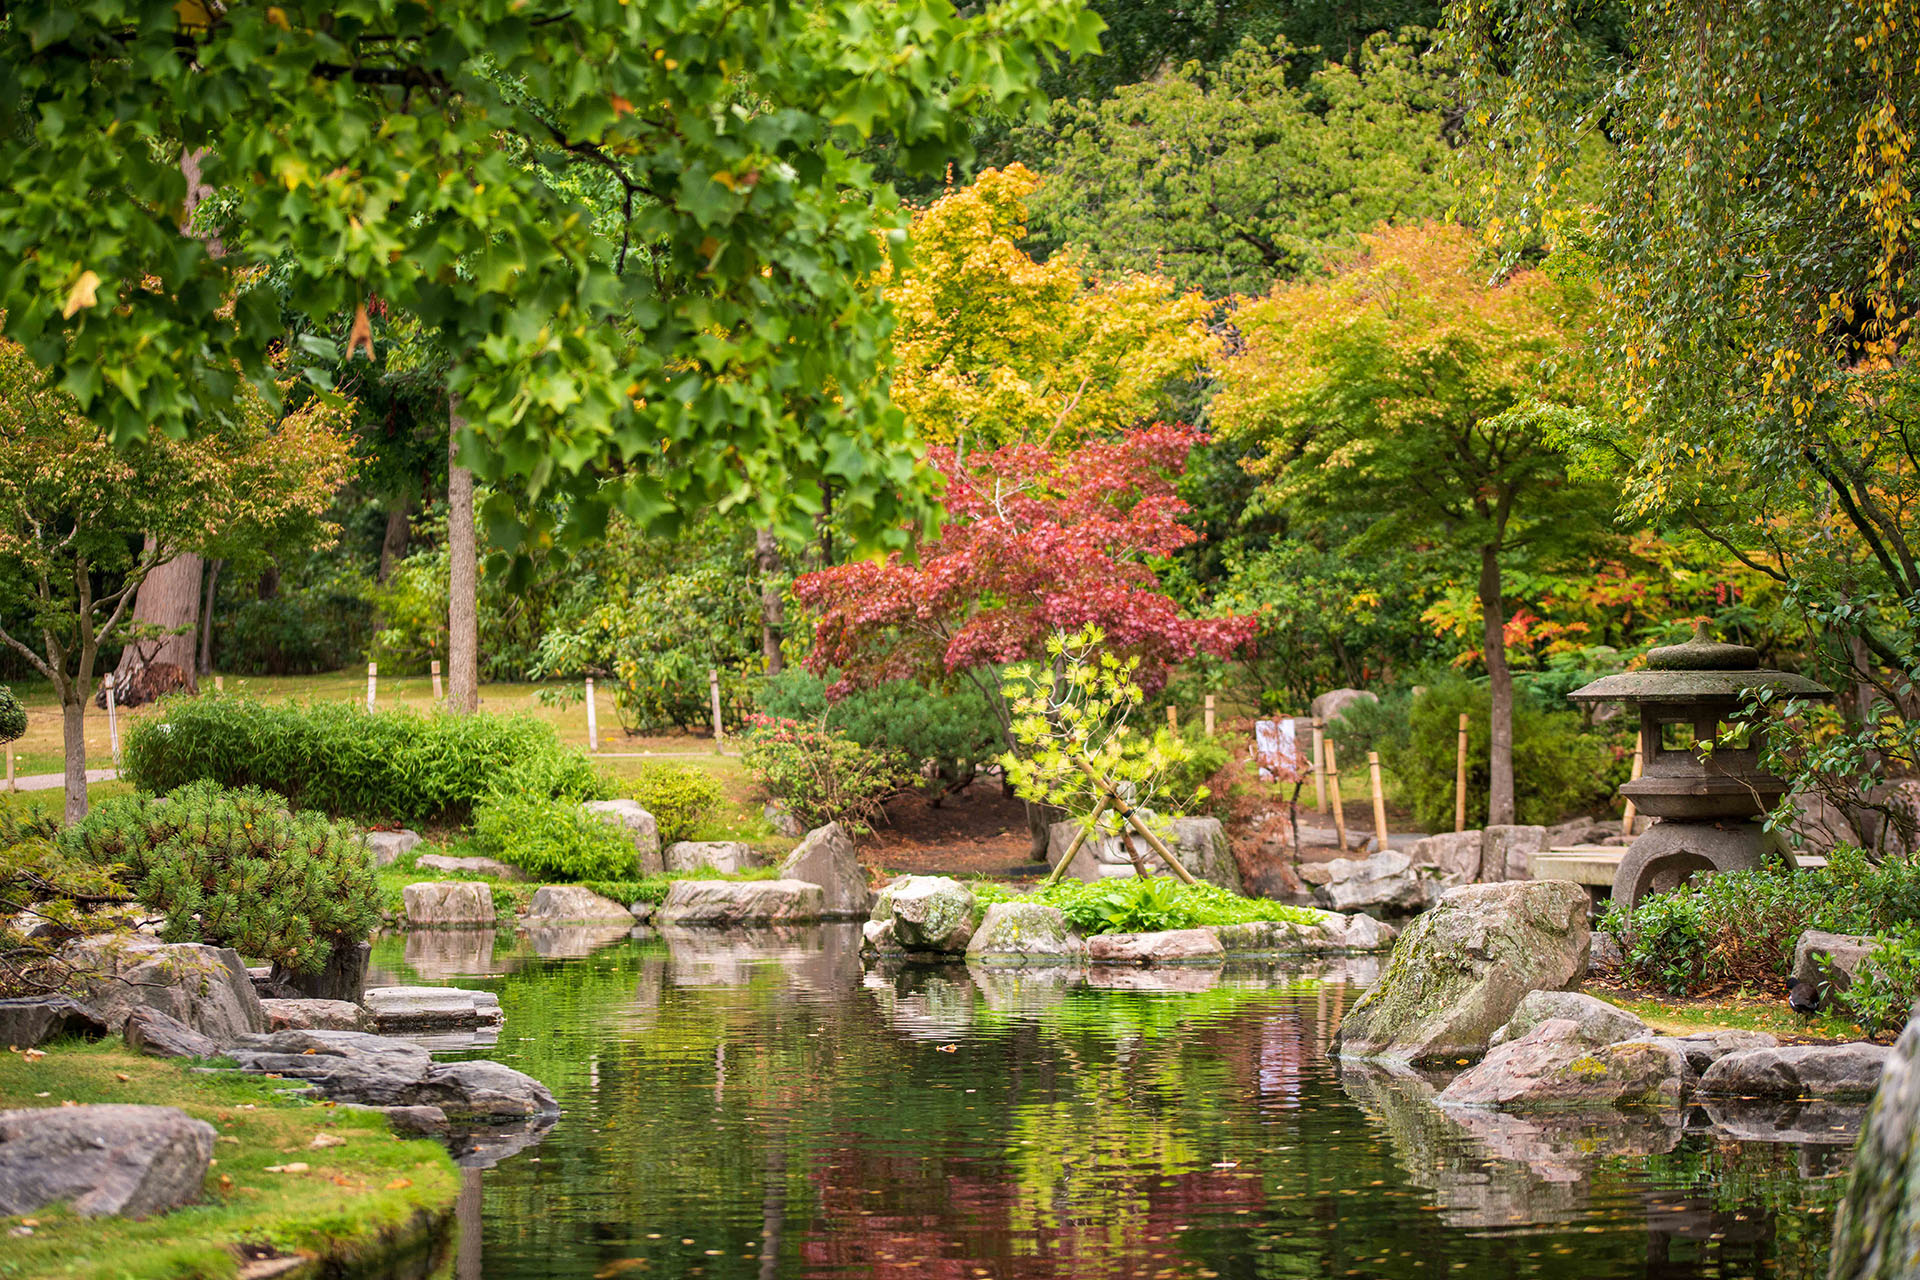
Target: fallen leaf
x,y
362,331
298,1166
399,1183
327,1140
83,294
122,1076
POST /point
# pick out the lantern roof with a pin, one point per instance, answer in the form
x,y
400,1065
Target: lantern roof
x,y
1700,670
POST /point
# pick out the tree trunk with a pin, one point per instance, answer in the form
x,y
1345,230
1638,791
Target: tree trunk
x,y
73,733
1500,690
394,544
463,619
773,607
168,599
207,598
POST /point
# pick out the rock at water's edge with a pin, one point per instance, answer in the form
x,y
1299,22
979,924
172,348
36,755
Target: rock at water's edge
x,y
572,904
928,913
720,903
1554,1065
826,858
1876,1233
1596,1021
1025,933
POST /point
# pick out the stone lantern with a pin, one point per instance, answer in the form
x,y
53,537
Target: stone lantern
x,y
1707,805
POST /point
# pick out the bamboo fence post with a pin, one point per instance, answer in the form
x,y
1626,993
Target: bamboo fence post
x,y
434,667
1333,786
1209,715
1460,779
10,782
1319,766
113,721
713,688
1079,838
1639,759
1173,719
1134,820
219,684
1379,800
593,722
373,680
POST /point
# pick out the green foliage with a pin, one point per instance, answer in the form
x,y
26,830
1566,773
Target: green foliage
x,y
1230,177
552,839
385,765
1887,983
822,775
46,897
234,868
13,716
1145,904
1739,927
947,733
1192,758
679,796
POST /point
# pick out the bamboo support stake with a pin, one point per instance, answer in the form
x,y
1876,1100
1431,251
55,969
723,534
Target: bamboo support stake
x,y
1460,780
1379,801
1333,786
1639,758
1173,719
1079,838
219,684
1134,820
113,721
593,722
1319,767
434,667
373,680
10,782
1209,715
713,688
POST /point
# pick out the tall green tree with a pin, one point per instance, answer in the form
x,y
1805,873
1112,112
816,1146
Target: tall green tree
x,y
1410,389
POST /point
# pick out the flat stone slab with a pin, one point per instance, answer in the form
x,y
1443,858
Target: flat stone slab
x,y
129,1161
471,866
377,1071
718,903
571,904
448,904
314,1015
431,1008
1169,946
1798,1071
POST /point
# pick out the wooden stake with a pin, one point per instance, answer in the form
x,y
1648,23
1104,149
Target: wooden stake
x,y
1135,821
434,667
1079,838
713,687
593,723
219,684
1379,801
10,783
1319,767
1460,780
1333,785
1173,720
373,680
113,721
1639,757
1209,715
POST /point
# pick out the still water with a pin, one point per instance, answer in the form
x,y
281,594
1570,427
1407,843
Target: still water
x,y
762,1106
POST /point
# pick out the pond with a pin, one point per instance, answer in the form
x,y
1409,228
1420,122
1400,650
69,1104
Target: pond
x,y
761,1106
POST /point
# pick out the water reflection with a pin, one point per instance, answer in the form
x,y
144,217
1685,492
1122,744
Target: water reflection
x,y
763,1106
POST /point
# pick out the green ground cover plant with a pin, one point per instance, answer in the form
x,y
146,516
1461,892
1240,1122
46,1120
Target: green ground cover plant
x,y
353,1199
371,766
1139,904
235,868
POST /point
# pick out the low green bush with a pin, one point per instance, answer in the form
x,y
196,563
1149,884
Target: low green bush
x,y
1887,983
1739,927
822,775
679,796
13,716
235,868
947,733
1136,904
552,839
371,766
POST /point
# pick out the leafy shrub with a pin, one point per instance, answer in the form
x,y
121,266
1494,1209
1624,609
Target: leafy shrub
x,y
1138,904
552,839
235,868
1887,983
680,797
384,765
320,627
822,775
947,734
1192,763
1739,927
13,716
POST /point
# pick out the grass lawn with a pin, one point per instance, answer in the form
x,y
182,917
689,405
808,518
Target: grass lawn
x,y
1683,1015
362,1188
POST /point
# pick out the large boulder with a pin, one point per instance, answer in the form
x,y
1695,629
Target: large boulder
x,y
1595,1021
1556,1065
571,904
1459,971
1025,933
729,857
1876,1233
98,1160
826,858
431,1008
928,913
387,847
1506,852
737,902
1798,1071
351,1066
449,904
469,866
1830,960
1168,946
342,977
631,817
1455,854
157,1035
1329,706
314,1015
1386,882
31,1020
206,988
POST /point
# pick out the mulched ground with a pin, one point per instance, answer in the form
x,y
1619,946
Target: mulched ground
x,y
976,832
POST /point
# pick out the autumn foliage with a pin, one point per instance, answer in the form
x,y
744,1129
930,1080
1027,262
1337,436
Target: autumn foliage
x,y
1034,542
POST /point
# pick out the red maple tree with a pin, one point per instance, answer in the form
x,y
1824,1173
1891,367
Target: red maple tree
x,y
1033,542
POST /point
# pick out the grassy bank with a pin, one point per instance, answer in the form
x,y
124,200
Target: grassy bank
x,y
362,1188
1680,1016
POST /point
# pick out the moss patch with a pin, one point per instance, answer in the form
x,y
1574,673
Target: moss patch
x,y
1682,1015
357,1193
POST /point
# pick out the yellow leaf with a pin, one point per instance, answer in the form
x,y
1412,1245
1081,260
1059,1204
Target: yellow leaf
x,y
83,294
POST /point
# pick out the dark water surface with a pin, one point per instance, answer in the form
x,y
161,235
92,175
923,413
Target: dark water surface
x,y
761,1106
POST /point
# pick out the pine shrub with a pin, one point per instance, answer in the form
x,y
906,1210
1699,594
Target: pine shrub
x,y
13,716
371,766
945,734
680,797
235,868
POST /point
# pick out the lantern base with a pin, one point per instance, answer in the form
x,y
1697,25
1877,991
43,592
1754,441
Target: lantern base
x,y
1671,851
